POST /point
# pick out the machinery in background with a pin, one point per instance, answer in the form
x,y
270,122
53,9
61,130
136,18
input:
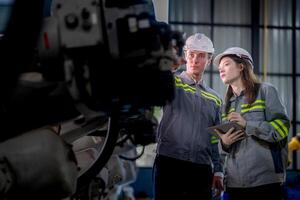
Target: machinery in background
x,y
105,64
294,143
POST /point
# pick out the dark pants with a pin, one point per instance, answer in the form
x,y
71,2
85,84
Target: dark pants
x,y
264,192
181,180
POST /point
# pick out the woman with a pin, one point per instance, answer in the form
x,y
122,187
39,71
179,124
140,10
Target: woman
x,y
256,156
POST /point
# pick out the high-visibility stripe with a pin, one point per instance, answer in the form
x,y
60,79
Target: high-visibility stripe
x,y
258,104
245,106
177,80
231,110
253,108
214,140
214,137
259,101
283,126
211,98
280,127
188,88
218,100
225,115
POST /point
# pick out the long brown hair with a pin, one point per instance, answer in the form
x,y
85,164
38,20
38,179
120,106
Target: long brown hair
x,y
249,79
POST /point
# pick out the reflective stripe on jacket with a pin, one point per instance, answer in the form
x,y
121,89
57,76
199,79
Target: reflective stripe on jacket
x,y
260,158
182,131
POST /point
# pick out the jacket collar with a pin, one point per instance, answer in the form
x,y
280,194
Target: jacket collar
x,y
188,80
234,97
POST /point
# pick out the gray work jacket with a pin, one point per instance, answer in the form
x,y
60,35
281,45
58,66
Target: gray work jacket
x,y
260,158
182,131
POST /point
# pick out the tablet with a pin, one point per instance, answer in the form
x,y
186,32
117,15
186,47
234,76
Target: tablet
x,y
224,127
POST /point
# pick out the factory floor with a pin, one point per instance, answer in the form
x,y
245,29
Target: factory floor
x,y
143,184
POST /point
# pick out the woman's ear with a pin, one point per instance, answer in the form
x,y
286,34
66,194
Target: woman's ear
x,y
241,66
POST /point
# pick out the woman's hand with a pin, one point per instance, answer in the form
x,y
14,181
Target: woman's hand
x,y
237,117
230,136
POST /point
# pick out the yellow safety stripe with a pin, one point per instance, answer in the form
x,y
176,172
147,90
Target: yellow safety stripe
x,y
177,80
280,127
231,110
185,87
213,96
253,108
224,118
217,100
283,126
214,140
224,115
259,101
258,104
188,88
205,95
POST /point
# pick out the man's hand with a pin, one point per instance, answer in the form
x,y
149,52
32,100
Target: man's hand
x,y
217,182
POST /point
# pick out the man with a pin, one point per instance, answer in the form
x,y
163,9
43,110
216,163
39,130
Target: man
x,y
187,164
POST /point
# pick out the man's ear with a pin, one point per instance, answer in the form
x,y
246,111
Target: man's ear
x,y
209,59
182,61
185,55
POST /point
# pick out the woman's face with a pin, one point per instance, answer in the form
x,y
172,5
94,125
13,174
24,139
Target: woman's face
x,y
229,70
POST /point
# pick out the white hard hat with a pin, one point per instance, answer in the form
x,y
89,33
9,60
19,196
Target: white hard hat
x,y
199,42
237,51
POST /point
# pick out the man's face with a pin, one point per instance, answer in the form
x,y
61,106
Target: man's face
x,y
196,61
